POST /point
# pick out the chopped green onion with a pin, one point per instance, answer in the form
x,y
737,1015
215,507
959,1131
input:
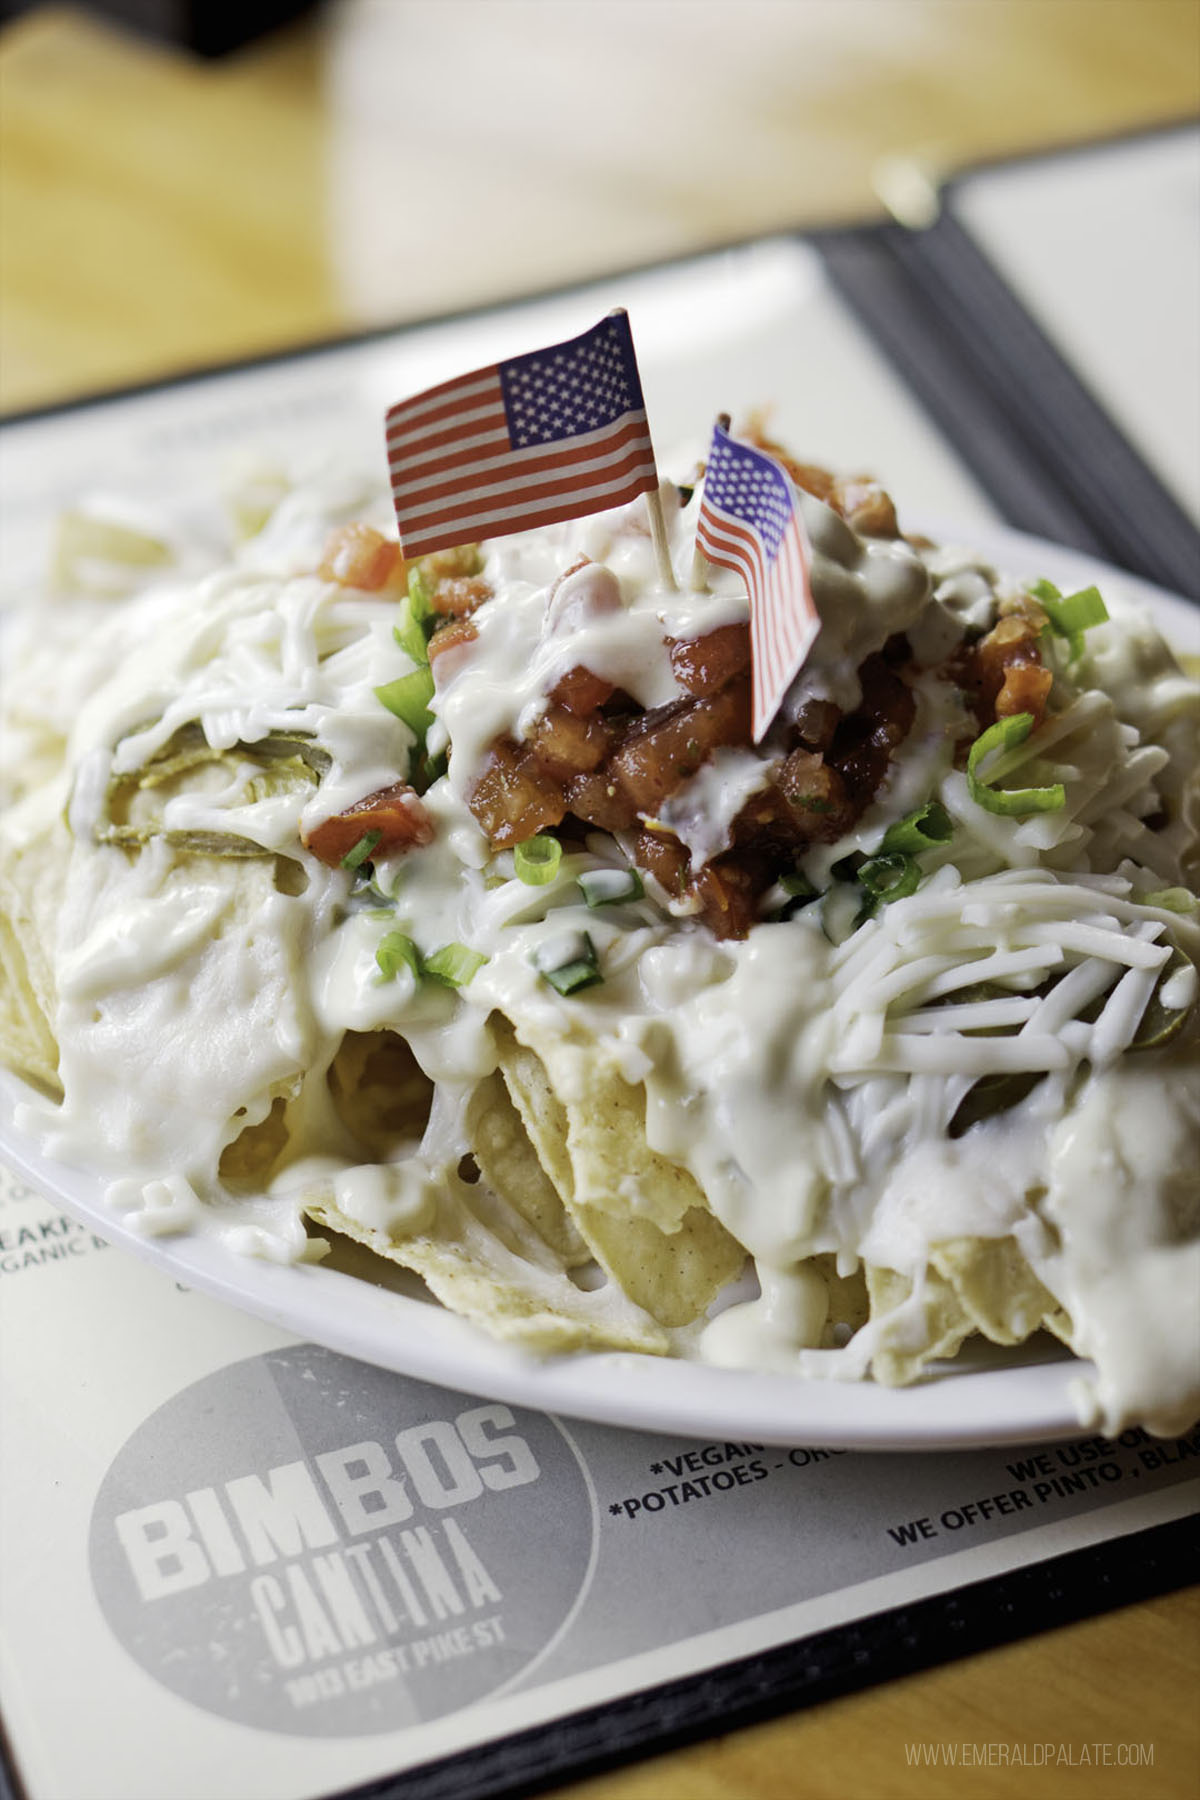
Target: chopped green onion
x,y
367,892
417,618
409,697
420,595
801,893
454,965
410,634
846,867
990,1096
359,853
569,965
609,887
1011,803
428,769
537,859
1169,1005
840,912
1171,899
886,878
396,951
920,830
1071,615
890,877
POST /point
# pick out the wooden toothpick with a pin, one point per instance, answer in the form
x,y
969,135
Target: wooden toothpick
x,y
658,532
699,577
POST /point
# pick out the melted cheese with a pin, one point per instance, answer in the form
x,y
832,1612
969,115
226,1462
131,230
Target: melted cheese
x,y
810,1088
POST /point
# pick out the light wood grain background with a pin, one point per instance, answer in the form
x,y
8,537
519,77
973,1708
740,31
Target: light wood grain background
x,y
391,158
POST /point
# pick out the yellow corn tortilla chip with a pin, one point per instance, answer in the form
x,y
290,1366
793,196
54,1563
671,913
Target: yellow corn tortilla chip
x,y
591,1150
849,1302
246,1163
33,869
380,1092
982,1285
508,1162
997,1288
26,1041
914,1326
599,1119
528,1300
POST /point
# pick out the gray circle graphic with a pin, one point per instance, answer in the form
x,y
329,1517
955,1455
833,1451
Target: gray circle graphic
x,y
307,1544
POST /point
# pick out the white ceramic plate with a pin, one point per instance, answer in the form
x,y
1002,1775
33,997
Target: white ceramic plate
x,y
390,1322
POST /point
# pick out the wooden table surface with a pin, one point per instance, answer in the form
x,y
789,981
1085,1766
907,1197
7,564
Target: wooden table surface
x,y
390,158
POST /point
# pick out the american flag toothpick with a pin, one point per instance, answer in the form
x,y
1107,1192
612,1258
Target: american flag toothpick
x,y
750,522
553,435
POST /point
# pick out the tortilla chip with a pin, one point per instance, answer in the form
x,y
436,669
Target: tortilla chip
x,y
996,1287
644,1219
508,1161
28,885
581,1098
914,1325
380,1092
972,1285
246,1163
528,1300
849,1302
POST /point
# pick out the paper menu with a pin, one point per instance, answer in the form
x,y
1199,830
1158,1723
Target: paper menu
x,y
234,1550
1102,244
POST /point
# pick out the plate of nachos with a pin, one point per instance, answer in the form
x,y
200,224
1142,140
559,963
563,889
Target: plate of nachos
x,y
425,954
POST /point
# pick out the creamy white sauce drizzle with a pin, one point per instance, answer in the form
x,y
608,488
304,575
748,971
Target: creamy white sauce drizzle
x,y
809,1088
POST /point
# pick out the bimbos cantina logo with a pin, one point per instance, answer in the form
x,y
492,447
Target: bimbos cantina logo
x,y
307,1544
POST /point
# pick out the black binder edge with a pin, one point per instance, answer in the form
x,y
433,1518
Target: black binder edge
x,y
1018,415
885,1646
1060,1591
792,1676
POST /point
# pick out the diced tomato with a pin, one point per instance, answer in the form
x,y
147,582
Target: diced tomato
x,y
667,746
564,744
456,596
866,507
1004,672
865,739
448,647
395,812
513,798
358,556
704,665
582,692
664,857
816,795
1026,689
449,564
599,799
815,723
728,891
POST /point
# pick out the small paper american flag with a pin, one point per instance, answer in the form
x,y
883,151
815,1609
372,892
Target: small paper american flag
x,y
549,436
750,522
